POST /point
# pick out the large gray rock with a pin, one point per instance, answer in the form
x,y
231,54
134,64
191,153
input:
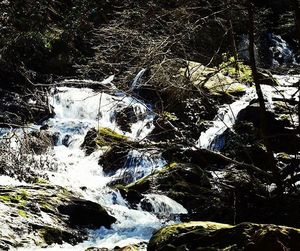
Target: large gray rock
x,y
213,236
44,214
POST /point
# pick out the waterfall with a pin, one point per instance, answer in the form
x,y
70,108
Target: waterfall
x,y
274,51
225,118
281,52
227,113
80,109
76,111
137,79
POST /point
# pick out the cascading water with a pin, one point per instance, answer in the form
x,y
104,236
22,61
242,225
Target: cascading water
x,y
77,111
271,51
225,118
227,114
281,52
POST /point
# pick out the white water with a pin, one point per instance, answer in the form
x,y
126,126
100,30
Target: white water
x,y
281,52
227,113
225,118
136,82
77,111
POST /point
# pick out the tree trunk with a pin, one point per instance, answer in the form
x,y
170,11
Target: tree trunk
x,y
271,161
296,6
231,36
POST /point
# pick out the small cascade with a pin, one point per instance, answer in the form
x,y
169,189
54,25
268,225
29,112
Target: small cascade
x,y
271,51
139,164
162,205
80,109
281,52
227,114
136,82
225,118
76,111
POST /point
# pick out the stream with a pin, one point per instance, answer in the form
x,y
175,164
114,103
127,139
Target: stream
x,y
79,109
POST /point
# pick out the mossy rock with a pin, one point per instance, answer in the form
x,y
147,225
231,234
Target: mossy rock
x,y
107,136
101,138
238,70
215,237
214,81
185,183
53,235
47,214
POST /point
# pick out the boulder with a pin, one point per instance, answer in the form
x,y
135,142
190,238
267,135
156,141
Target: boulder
x,y
282,138
212,80
215,236
88,214
42,214
185,183
100,138
125,118
114,158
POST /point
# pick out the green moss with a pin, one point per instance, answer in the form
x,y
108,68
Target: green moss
x,y
167,168
244,73
169,116
5,198
107,136
41,181
14,198
24,194
22,213
143,184
166,232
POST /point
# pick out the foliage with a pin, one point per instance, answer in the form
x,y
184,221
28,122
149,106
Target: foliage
x,y
235,69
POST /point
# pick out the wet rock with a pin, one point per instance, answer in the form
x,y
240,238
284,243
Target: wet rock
x,y
125,118
89,144
114,159
44,214
55,138
187,184
134,247
52,235
133,196
215,236
67,140
87,214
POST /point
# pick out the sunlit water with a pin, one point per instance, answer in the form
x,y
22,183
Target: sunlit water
x,y
80,109
227,113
